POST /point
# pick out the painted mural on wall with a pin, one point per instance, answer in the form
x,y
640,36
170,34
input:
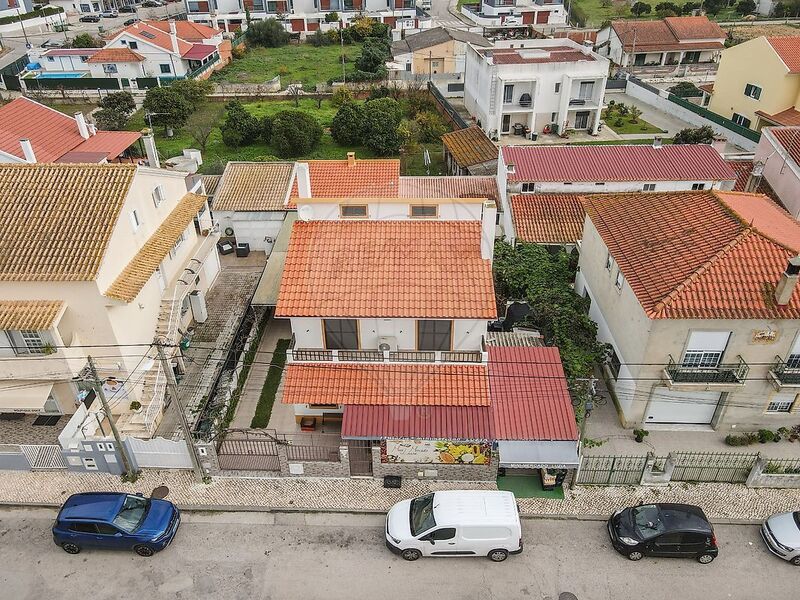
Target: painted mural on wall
x,y
435,452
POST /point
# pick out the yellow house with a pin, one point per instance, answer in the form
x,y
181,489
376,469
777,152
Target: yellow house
x,y
758,83
436,51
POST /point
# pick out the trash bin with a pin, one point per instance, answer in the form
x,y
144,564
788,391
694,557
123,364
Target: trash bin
x,y
534,136
242,249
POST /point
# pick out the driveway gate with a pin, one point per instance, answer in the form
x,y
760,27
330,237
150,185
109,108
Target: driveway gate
x,y
248,451
360,453
725,467
611,470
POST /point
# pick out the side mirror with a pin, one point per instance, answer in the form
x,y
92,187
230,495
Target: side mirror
x,y
118,534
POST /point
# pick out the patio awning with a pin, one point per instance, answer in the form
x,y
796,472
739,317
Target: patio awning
x,y
537,455
270,283
24,396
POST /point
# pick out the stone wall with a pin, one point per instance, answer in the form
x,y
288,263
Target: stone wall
x,y
298,468
758,478
437,471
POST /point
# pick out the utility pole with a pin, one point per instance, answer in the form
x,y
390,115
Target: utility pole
x,y
98,386
341,42
173,390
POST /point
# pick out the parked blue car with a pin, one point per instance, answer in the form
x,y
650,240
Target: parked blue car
x,y
115,520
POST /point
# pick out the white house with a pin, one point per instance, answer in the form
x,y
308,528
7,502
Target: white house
x,y
778,159
509,13
527,85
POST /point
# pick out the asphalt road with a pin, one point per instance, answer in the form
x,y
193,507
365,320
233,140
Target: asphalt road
x,y
331,557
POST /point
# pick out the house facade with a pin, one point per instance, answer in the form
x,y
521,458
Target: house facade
x,y
434,52
697,336
524,86
777,161
510,13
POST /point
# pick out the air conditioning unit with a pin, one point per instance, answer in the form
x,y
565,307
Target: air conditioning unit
x,y
387,343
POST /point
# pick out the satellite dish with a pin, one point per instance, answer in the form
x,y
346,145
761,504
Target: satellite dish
x,y
305,212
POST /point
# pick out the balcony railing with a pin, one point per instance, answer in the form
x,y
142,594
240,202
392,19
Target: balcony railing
x,y
294,354
786,373
730,373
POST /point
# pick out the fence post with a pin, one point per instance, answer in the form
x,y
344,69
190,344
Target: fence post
x,y
344,459
756,471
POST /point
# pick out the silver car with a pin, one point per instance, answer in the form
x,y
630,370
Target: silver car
x,y
781,533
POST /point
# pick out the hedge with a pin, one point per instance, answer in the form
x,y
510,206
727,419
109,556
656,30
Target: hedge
x,y
42,12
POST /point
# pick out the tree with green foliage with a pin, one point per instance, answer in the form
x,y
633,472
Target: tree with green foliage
x,y
713,7
641,8
685,89
700,135
347,128
318,39
194,91
786,8
240,127
201,125
167,106
266,128
332,17
689,7
295,133
381,119
667,9
341,96
269,33
115,110
86,40
431,126
374,54
745,7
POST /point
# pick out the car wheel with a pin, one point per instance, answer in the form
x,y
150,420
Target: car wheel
x,y
796,561
410,554
704,559
635,555
71,548
143,550
498,555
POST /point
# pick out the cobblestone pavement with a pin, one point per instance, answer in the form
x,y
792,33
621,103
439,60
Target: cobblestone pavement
x,y
720,501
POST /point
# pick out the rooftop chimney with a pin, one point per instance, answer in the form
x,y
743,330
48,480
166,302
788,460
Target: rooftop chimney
x,y
150,148
488,227
788,282
351,159
657,142
83,129
511,168
27,150
173,35
303,179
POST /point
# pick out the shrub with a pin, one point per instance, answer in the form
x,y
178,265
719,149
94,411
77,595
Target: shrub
x,y
374,53
168,107
332,17
699,135
685,89
294,133
115,110
736,440
745,7
765,435
240,127
377,92
341,96
640,8
239,51
194,91
381,119
347,128
269,33
86,40
431,126
283,70
319,39
266,128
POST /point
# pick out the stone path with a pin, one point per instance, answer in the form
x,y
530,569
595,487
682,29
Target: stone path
x,y
720,501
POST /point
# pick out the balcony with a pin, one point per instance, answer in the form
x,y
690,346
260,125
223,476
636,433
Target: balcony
x,y
294,354
721,374
785,373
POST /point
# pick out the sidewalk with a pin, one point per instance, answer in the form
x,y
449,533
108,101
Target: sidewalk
x,y
720,501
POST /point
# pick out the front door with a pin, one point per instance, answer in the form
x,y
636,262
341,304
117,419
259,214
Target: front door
x,y
506,127
441,542
667,544
582,119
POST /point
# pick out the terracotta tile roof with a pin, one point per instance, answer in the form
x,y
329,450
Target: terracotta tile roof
x,y
579,36
690,162
187,30
152,35
708,88
548,218
142,266
449,187
38,315
389,269
56,220
408,384
211,183
694,28
529,395
789,138
115,55
470,146
672,33
365,178
254,186
700,255
417,422
787,118
788,49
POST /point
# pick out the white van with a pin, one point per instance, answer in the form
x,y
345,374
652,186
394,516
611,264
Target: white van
x,y
455,523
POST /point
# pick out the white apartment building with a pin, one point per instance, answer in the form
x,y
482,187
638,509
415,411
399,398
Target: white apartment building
x,y
525,86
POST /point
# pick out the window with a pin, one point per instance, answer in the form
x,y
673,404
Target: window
x,y
508,93
323,406
781,403
51,59
32,342
158,195
740,120
353,211
109,68
614,363
83,527
177,245
609,261
105,529
702,359
435,64
649,187
669,540
132,513
752,91
434,335
84,58
553,117
529,187
135,220
445,533
133,45
164,68
424,211
341,334
586,90
600,183
557,89
793,362
698,186
619,280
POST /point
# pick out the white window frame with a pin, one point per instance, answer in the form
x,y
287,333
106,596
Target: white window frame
x,y
528,186
174,251
702,359
698,187
781,406
619,281
110,68
609,261
158,195
755,91
508,98
649,187
740,120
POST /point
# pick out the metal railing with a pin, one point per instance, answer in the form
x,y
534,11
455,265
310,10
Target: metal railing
x,y
786,373
156,405
454,115
203,68
730,373
384,356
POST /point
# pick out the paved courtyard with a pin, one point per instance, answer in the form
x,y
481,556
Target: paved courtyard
x,y
21,430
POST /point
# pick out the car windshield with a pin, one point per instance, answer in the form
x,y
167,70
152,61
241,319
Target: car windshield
x,y
647,521
421,514
132,513
797,519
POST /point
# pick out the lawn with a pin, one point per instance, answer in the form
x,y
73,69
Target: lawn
x,y
625,123
295,62
594,12
267,397
71,109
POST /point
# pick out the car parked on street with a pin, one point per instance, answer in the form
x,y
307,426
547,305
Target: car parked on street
x,y
128,8
781,534
671,530
152,3
130,21
109,14
116,520
90,19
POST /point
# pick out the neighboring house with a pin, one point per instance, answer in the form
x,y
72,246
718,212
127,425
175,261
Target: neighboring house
x,y
526,85
60,60
696,294
32,132
758,83
95,256
669,41
469,152
73,7
511,13
778,160
436,51
550,172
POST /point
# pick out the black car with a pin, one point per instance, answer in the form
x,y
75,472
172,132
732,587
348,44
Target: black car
x,y
673,530
127,9
90,19
130,21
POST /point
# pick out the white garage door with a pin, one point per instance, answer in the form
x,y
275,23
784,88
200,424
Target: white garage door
x,y
670,406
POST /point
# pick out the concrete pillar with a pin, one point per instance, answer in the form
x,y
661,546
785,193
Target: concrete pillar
x,y
663,58
596,122
755,472
344,459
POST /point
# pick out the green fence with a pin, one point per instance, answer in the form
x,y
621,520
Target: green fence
x,y
77,83
751,135
145,83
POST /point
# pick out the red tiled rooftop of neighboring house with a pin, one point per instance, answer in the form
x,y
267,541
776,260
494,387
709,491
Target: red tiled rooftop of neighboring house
x,y
789,138
786,118
548,218
386,269
694,28
113,143
529,395
417,422
708,88
788,49
407,384
199,51
672,33
700,255
528,56
361,178
71,52
115,55
155,36
449,187
187,30
686,162
578,36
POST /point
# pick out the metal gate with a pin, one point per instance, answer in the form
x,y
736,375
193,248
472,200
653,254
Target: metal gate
x,y
725,467
360,453
245,451
611,470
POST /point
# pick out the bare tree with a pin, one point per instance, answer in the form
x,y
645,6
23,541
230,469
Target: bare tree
x,y
201,124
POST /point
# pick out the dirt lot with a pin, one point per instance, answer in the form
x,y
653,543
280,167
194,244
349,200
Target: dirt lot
x,y
744,32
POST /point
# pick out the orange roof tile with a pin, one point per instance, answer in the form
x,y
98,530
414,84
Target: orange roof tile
x,y
786,118
788,49
187,30
396,384
115,55
700,255
743,169
548,218
364,178
402,269
152,35
672,33
38,315
694,28
254,186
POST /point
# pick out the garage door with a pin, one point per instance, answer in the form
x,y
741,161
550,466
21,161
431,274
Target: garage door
x,y
670,406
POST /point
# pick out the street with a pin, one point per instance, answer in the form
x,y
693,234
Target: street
x,y
286,556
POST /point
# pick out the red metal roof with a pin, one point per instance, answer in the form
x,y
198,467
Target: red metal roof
x,y
71,52
417,422
199,52
788,118
529,395
691,162
112,143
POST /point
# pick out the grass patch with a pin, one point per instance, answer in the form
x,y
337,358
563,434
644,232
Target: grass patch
x,y
595,13
625,123
249,357
267,397
415,164
294,63
71,109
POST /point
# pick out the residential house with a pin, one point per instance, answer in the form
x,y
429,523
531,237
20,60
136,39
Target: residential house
x,y
97,266
695,292
758,83
469,152
777,159
60,60
666,42
540,185
510,13
74,7
34,133
525,86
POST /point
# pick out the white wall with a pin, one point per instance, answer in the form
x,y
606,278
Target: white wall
x,y
252,227
562,187
154,56
53,64
396,211
780,171
128,70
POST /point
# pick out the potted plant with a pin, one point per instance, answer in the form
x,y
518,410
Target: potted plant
x,y
136,406
48,349
640,434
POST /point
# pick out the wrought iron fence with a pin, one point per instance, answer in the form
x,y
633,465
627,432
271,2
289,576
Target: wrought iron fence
x,y
722,373
312,447
717,467
782,466
611,470
786,372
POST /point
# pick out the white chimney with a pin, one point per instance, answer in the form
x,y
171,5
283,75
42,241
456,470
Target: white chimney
x,y
173,35
303,179
83,129
511,168
150,149
27,150
351,159
92,128
788,282
488,227
657,142
194,155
